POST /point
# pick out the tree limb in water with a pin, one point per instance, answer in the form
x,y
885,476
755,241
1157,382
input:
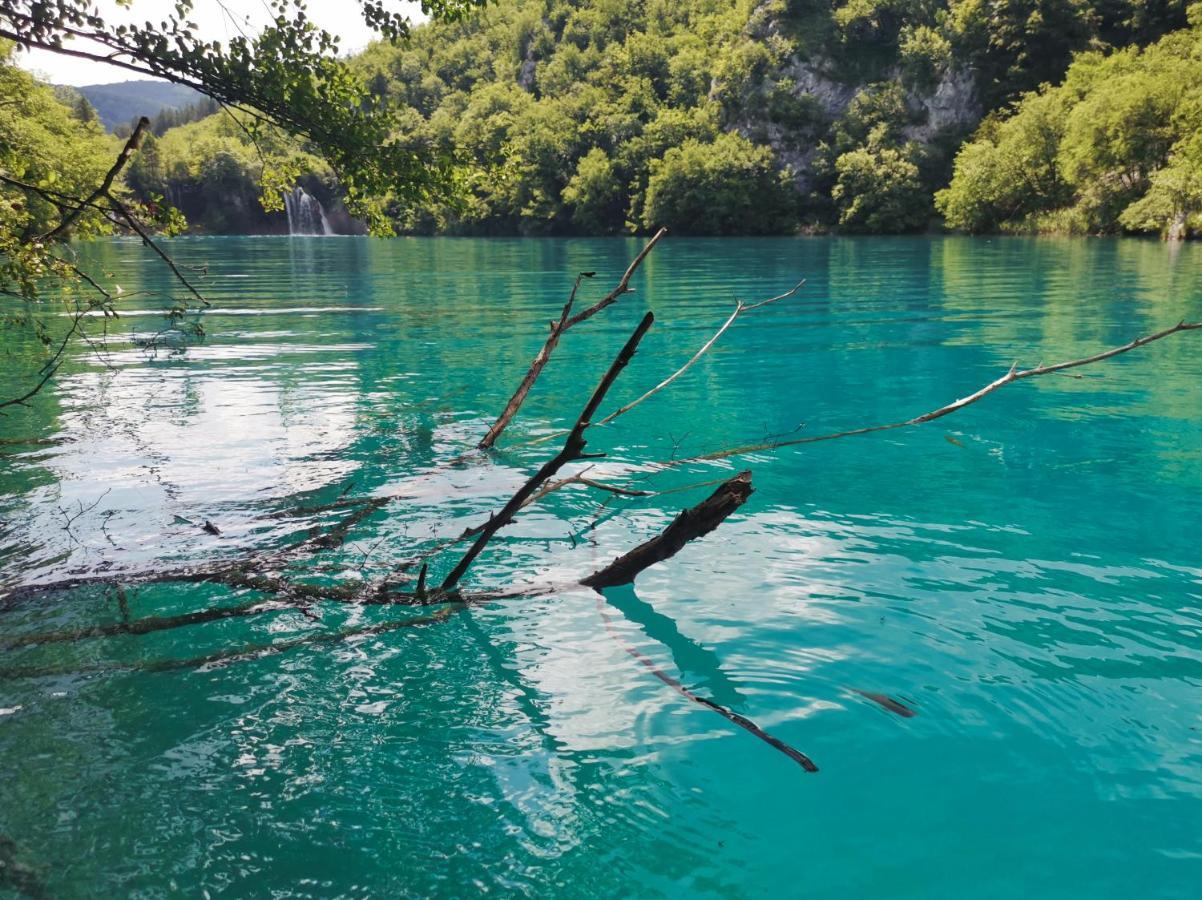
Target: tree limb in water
x,y
573,448
1015,374
742,721
558,328
691,524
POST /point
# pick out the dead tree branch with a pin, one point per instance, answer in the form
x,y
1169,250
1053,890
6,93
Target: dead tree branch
x,y
573,449
740,308
1015,374
558,328
692,523
50,368
148,241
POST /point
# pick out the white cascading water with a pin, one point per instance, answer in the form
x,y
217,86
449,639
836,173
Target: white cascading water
x,y
305,213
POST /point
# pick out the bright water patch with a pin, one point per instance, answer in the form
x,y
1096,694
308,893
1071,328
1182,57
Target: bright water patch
x,y
1024,574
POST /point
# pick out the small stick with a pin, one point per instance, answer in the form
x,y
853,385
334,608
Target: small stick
x,y
1015,374
558,328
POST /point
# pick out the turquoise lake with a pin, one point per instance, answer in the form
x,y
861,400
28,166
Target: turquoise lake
x,y
1025,575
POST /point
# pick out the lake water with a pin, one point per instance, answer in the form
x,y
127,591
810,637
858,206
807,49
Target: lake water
x,y
1025,575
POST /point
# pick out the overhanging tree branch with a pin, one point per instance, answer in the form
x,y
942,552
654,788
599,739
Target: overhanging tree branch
x,y
105,186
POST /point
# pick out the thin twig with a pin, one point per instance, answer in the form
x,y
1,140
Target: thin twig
x,y
149,242
1015,374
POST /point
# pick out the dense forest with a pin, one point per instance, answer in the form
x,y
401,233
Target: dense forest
x,y
50,139
733,116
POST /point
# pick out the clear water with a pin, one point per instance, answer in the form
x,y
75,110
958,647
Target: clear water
x,y
1025,575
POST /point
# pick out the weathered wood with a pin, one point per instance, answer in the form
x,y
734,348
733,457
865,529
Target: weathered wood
x,y
1015,374
558,328
536,368
740,308
693,523
573,449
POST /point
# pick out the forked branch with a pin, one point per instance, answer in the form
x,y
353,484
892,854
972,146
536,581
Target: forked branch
x,y
558,329
1015,374
573,449
740,308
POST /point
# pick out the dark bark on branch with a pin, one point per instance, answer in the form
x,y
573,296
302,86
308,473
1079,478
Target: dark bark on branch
x,y
689,525
148,241
566,321
573,449
131,146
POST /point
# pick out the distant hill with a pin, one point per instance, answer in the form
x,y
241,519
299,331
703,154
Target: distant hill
x,y
117,104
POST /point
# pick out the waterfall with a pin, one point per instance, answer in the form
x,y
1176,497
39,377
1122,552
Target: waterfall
x,y
305,214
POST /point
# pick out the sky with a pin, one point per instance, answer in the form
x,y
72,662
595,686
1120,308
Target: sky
x,y
340,17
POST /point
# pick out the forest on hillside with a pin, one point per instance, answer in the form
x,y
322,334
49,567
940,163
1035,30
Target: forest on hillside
x,y
742,117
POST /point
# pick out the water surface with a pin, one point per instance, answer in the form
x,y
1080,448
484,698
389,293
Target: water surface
x,y
1024,574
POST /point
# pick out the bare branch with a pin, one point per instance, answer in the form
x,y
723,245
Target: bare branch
x,y
131,145
51,366
623,285
566,321
742,721
141,232
1015,374
536,368
573,448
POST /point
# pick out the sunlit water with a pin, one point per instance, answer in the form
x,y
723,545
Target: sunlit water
x,y
1026,575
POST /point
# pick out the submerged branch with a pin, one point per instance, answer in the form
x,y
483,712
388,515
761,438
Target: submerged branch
x,y
730,715
1015,374
558,328
573,449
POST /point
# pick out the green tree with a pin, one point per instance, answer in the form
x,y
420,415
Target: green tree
x,y
880,189
596,196
1011,170
1111,148
287,76
728,186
